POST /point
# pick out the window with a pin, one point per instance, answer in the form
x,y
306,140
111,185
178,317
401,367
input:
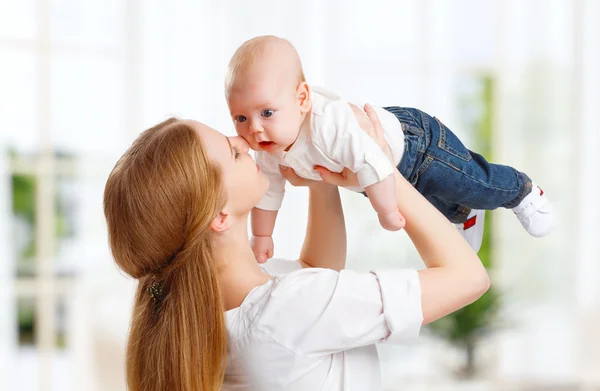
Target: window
x,y
63,112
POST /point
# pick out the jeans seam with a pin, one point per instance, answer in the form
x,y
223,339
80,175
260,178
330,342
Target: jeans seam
x,y
462,212
413,117
408,129
472,178
443,145
524,190
397,110
424,167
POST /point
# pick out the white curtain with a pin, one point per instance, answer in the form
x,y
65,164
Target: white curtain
x,y
547,67
8,321
587,145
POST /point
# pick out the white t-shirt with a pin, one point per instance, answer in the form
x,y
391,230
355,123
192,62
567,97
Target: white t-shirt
x,y
333,139
315,329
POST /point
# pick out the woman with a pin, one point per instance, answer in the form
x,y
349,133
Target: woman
x,y
177,206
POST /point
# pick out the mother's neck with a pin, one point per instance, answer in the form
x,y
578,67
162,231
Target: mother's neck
x,y
238,271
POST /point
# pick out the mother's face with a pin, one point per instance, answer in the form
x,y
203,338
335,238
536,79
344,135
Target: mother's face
x,y
244,184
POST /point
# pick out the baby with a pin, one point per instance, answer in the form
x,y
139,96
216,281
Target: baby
x,y
290,123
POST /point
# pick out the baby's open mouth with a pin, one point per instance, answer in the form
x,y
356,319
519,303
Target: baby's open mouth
x,y
266,144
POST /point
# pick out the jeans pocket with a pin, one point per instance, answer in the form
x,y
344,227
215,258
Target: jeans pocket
x,y
451,144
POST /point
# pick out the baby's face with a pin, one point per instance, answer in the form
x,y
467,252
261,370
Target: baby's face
x,y
267,114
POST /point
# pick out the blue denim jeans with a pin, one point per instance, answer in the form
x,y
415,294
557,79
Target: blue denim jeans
x,y
453,178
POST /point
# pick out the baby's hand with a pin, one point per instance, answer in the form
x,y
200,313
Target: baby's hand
x,y
262,246
392,221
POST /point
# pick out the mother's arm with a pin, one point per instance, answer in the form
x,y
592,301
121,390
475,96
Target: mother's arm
x,y
325,240
454,276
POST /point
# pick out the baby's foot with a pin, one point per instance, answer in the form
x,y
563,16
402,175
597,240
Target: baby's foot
x,y
392,221
472,228
536,213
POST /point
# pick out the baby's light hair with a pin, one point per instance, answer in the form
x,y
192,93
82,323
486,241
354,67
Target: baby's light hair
x,y
251,51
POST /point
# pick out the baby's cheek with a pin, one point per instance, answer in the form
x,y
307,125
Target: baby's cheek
x,y
291,132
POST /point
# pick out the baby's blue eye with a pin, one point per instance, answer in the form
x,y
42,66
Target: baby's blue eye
x,y
241,118
267,113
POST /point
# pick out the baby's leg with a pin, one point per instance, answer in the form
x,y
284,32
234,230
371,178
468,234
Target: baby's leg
x,y
471,184
452,178
456,213
458,176
469,222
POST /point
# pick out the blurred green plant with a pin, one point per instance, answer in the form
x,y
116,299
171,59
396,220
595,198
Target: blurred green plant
x,y
24,208
467,327
23,194
26,319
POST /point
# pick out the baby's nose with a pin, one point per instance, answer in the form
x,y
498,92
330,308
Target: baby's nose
x,y
256,127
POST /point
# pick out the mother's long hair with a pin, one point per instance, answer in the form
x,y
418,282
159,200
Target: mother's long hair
x,y
159,201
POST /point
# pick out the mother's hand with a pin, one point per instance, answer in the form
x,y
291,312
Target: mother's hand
x,y
369,123
296,180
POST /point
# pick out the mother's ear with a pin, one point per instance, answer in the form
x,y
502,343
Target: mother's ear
x,y
222,222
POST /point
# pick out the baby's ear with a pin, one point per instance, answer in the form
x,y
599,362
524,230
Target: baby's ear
x,y
303,96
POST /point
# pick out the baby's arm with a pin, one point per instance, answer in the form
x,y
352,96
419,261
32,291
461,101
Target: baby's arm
x,y
345,142
383,199
263,223
264,215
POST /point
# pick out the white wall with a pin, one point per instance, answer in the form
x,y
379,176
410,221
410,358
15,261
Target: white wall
x,y
587,254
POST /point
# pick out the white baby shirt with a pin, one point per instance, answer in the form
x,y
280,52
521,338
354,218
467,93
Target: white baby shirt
x,y
332,138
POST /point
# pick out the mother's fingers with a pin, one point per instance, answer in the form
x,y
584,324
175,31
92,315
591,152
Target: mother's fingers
x,y
377,128
377,134
290,175
346,178
363,120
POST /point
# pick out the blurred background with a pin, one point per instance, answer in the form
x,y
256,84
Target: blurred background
x,y
517,80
